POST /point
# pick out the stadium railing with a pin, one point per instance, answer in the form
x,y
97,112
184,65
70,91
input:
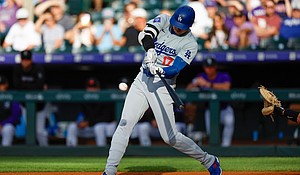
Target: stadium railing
x,y
214,98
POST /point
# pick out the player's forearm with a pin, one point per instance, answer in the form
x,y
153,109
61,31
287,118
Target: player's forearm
x,y
221,86
173,70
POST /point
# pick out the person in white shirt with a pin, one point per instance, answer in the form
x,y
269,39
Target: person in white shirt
x,y
22,36
202,21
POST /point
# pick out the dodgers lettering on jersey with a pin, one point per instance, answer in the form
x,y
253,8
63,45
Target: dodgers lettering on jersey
x,y
168,45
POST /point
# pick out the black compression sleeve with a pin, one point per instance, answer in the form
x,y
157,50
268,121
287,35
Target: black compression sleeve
x,y
148,42
290,114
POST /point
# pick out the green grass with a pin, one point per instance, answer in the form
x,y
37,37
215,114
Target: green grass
x,y
137,164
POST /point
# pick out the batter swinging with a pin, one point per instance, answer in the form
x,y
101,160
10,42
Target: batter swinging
x,y
170,46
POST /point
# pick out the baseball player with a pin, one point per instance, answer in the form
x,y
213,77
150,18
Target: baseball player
x,y
10,114
169,46
213,79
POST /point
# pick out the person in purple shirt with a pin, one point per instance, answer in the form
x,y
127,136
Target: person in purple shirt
x,y
233,6
212,79
242,34
7,17
10,114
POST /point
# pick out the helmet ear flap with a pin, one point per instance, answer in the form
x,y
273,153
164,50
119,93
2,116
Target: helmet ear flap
x,y
183,18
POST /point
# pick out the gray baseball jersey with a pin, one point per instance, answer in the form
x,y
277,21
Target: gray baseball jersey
x,y
169,45
148,91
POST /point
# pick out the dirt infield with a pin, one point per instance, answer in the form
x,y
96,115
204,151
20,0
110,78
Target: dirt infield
x,y
152,173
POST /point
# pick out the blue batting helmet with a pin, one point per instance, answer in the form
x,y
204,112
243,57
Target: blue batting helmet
x,y
183,17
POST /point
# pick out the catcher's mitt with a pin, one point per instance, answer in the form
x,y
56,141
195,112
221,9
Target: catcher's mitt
x,y
270,100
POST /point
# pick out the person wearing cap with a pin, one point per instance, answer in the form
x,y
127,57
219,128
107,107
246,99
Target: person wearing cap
x,y
283,8
130,36
27,75
30,76
10,114
22,35
242,34
95,120
233,6
106,31
212,79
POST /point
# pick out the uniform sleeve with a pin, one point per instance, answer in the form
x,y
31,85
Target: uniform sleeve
x,y
226,77
189,50
157,23
16,113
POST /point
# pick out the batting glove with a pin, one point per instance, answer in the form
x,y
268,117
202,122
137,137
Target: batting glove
x,y
154,69
150,57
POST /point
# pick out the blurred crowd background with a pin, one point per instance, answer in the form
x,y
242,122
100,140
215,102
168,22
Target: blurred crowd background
x,y
100,25
112,26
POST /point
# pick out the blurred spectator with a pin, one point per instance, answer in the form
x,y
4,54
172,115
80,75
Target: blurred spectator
x,y
7,17
97,120
10,113
52,33
255,8
82,36
107,32
22,36
57,8
234,7
218,37
283,8
127,20
242,35
97,5
130,37
212,79
267,26
290,28
295,4
30,76
212,9
202,23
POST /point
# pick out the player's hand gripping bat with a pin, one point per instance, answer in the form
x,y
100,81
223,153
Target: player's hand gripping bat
x,y
178,103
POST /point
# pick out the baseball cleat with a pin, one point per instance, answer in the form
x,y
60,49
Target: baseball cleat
x,y
104,173
215,168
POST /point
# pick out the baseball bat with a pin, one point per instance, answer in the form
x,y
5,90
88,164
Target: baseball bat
x,y
178,103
